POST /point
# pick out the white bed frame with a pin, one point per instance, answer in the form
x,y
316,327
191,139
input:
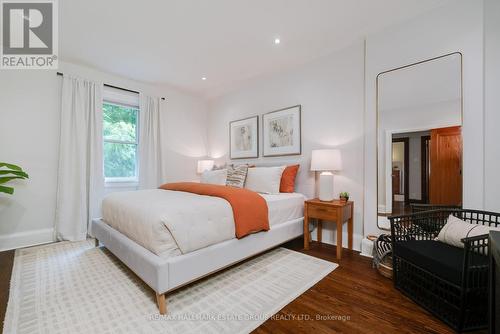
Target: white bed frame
x,y
164,275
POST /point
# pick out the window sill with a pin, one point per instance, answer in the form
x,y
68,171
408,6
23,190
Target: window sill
x,y
121,184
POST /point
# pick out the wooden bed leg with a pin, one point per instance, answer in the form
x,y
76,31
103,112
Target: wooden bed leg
x,y
162,303
96,242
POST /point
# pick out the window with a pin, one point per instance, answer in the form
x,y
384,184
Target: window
x,y
120,142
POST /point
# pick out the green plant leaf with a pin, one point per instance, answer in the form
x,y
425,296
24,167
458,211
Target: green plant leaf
x,y
14,172
6,190
10,166
5,179
9,172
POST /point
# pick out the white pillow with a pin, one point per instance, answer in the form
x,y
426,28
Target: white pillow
x,y
214,177
264,180
456,229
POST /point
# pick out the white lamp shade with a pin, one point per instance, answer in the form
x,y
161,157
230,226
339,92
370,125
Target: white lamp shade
x,y
326,160
204,165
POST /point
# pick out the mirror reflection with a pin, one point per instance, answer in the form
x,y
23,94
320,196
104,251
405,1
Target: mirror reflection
x,y
419,137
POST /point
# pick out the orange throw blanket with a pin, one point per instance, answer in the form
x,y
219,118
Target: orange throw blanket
x,y
249,208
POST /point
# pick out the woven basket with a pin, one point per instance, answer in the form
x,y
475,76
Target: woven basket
x,y
385,267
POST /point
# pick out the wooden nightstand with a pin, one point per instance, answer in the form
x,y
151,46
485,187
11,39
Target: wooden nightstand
x,y
335,211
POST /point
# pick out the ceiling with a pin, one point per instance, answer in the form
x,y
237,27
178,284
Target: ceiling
x,y
178,42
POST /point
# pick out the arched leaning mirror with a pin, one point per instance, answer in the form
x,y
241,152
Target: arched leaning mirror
x,y
419,137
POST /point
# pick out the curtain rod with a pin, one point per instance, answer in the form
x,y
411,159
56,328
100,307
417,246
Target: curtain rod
x,y
111,86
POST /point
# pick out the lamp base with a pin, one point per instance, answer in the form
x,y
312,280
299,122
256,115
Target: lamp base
x,y
326,186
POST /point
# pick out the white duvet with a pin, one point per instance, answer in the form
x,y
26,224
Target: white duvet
x,y
169,222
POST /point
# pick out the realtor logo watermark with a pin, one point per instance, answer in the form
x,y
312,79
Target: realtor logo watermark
x,y
29,34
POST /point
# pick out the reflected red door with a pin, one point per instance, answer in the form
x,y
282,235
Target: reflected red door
x,y
445,180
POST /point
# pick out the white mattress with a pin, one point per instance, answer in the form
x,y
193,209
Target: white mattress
x,y
284,207
140,215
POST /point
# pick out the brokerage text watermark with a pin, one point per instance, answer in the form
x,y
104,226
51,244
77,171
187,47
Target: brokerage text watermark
x,y
247,317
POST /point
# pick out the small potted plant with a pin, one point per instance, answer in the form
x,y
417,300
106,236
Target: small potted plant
x,y
344,196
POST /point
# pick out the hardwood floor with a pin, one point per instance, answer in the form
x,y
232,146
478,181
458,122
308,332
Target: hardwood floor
x,y
400,208
355,291
6,262
361,300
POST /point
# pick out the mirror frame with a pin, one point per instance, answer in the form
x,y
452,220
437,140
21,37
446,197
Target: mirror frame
x,y
377,111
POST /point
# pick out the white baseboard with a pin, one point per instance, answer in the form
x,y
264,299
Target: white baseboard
x,y
367,247
26,239
330,237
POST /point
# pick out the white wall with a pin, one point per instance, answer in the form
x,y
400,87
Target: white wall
x,y
330,91
398,152
415,177
414,168
492,104
185,135
29,136
458,27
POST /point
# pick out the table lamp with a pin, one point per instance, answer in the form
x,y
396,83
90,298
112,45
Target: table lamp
x,y
326,161
204,165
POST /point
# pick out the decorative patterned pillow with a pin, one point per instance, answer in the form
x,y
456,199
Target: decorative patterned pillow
x,y
456,229
236,176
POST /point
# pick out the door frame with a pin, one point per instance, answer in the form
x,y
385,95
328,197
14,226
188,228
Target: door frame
x,y
406,180
424,169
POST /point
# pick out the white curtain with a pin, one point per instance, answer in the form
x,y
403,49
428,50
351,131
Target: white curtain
x,y
80,175
149,142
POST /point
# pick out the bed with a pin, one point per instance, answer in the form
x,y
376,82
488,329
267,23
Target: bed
x,y
166,258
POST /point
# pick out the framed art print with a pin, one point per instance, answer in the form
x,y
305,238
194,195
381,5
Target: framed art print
x,y
244,138
281,132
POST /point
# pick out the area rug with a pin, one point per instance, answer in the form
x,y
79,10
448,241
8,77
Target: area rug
x,y
74,287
